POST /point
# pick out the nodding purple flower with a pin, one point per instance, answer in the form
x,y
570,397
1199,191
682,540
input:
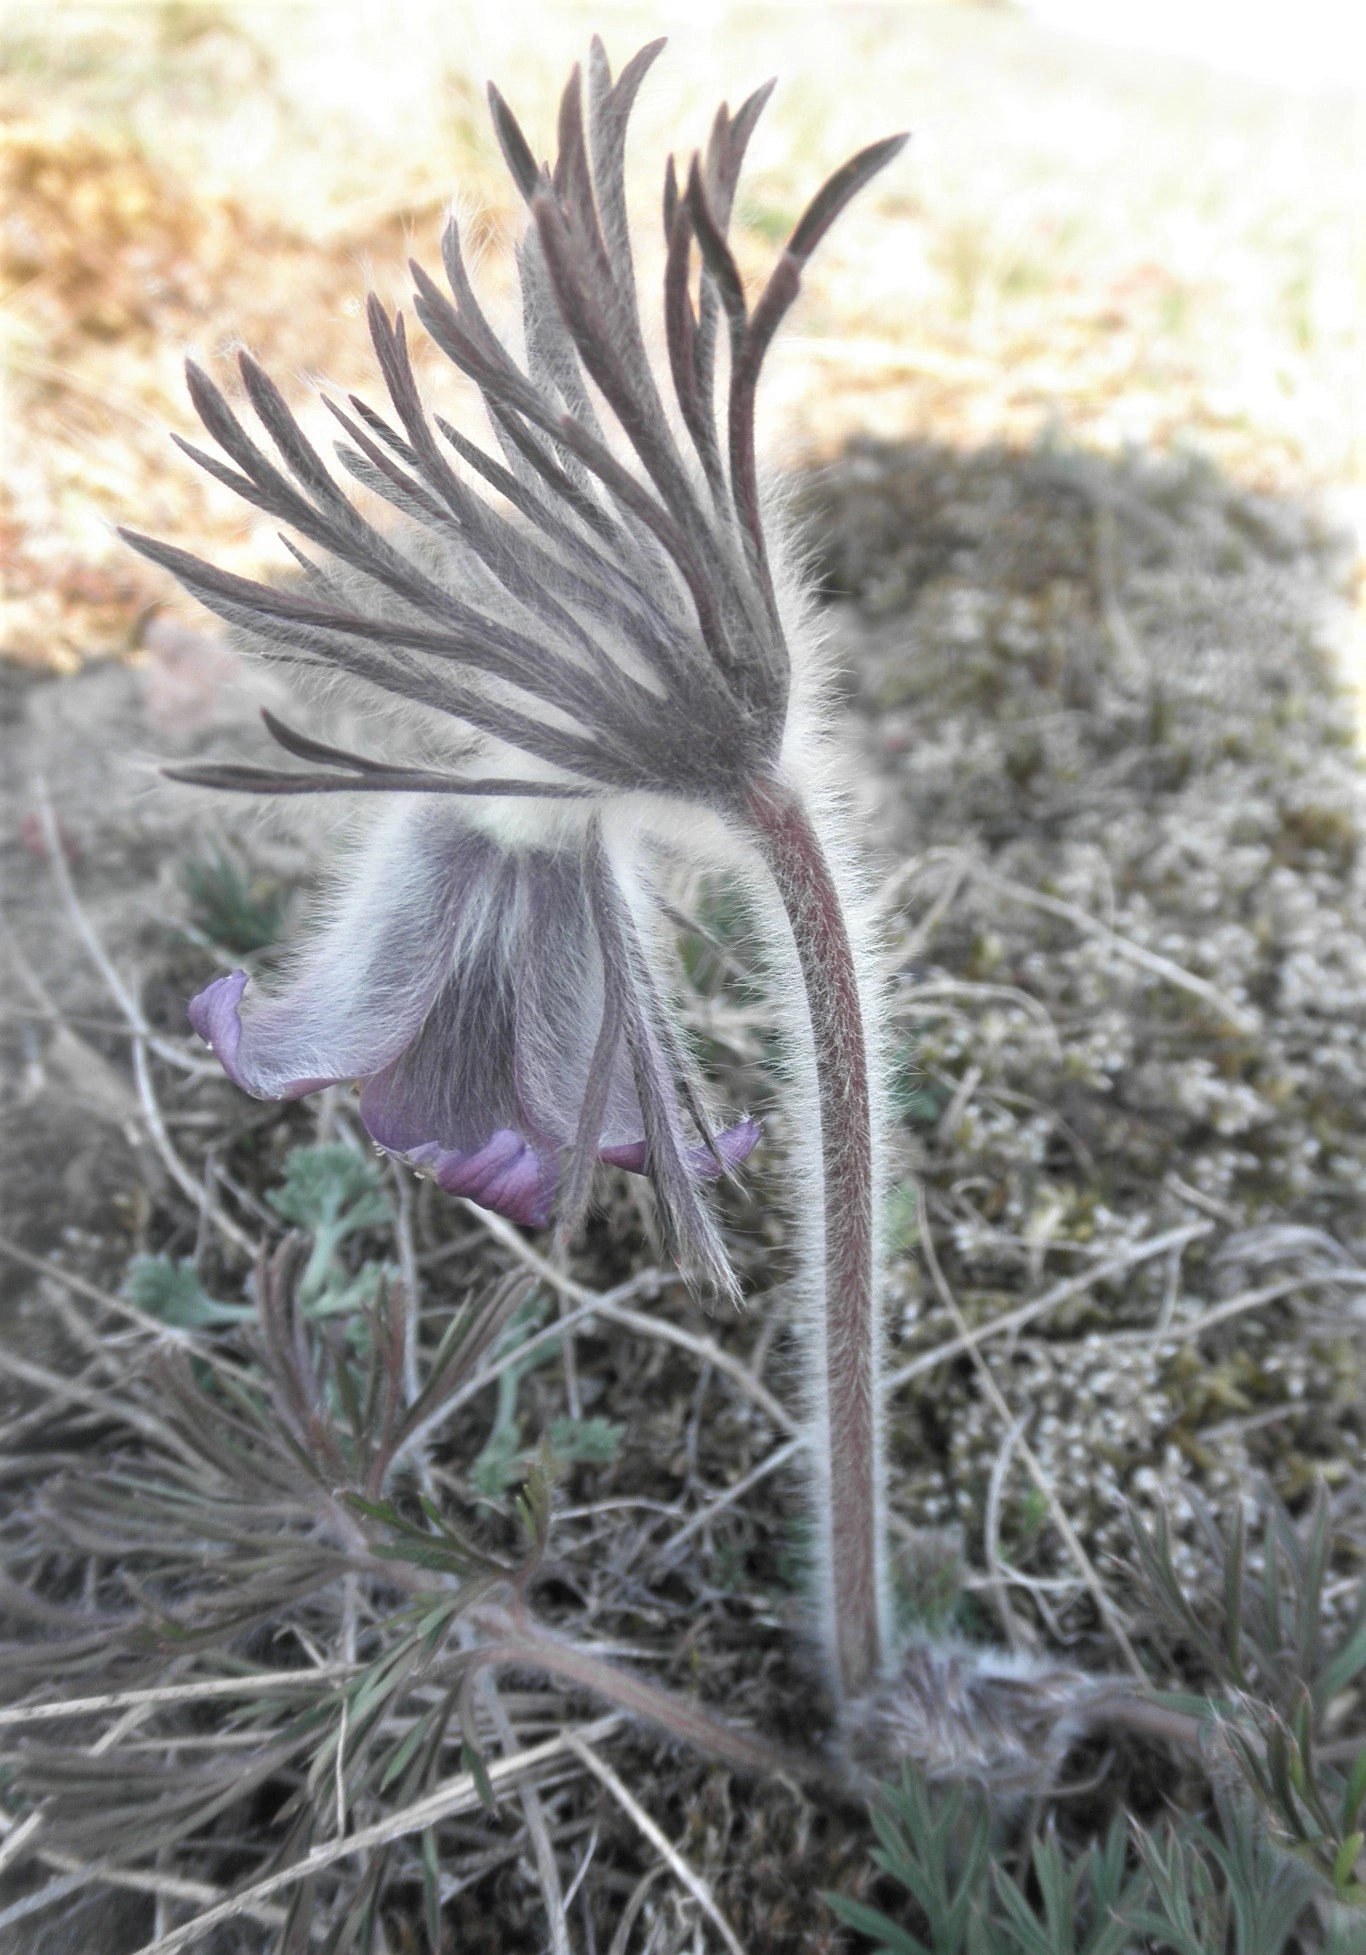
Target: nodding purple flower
x,y
496,1005
593,642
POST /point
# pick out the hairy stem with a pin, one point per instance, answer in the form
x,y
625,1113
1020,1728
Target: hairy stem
x,y
526,1645
847,1445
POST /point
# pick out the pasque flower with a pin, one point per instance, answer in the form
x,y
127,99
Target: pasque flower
x,y
497,1007
600,660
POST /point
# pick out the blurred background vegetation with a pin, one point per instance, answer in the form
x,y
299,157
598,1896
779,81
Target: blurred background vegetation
x,y
1120,246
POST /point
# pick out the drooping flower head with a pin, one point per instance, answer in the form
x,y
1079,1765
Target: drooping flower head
x,y
496,1005
605,633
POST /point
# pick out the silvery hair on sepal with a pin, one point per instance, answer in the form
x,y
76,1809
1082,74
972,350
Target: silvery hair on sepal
x,y
592,612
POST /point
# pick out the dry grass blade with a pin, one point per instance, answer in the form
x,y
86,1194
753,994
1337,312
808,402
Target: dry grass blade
x,y
1118,695
133,1016
678,1866
669,1550
105,1403
162,1886
488,1374
702,1348
107,1299
1108,1613
18,1838
639,1894
1240,1017
247,1685
1221,1313
457,1795
1061,1293
196,1192
706,1351
547,1868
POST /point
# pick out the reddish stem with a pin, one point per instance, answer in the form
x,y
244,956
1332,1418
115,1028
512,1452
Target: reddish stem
x,y
529,1646
845,1395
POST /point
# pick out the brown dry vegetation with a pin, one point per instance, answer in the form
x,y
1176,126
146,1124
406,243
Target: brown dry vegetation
x,y
1127,249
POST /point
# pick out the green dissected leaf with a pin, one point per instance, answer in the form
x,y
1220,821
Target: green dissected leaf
x,y
1154,1552
1059,1888
1114,1892
502,1460
1193,1705
1354,1792
380,1681
499,1464
1234,1564
338,1297
355,1932
586,1442
431,1888
901,1219
935,1843
422,1772
472,1761
1186,1915
297,1935
1309,1554
1084,1901
533,1504
377,1510
332,1192
472,1750
172,1293
1272,1596
409,1746
1341,1669
1269,1890
1279,1755
715,942
230,909
1027,1932
1345,1934
440,1547
1345,1860
868,1921
333,1188
1269,1646
915,1100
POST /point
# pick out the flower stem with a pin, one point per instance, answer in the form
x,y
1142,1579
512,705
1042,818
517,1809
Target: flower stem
x,y
845,1331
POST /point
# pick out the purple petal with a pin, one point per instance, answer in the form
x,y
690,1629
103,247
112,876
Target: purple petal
x,y
367,981
733,1144
465,987
215,1015
506,1174
489,1092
